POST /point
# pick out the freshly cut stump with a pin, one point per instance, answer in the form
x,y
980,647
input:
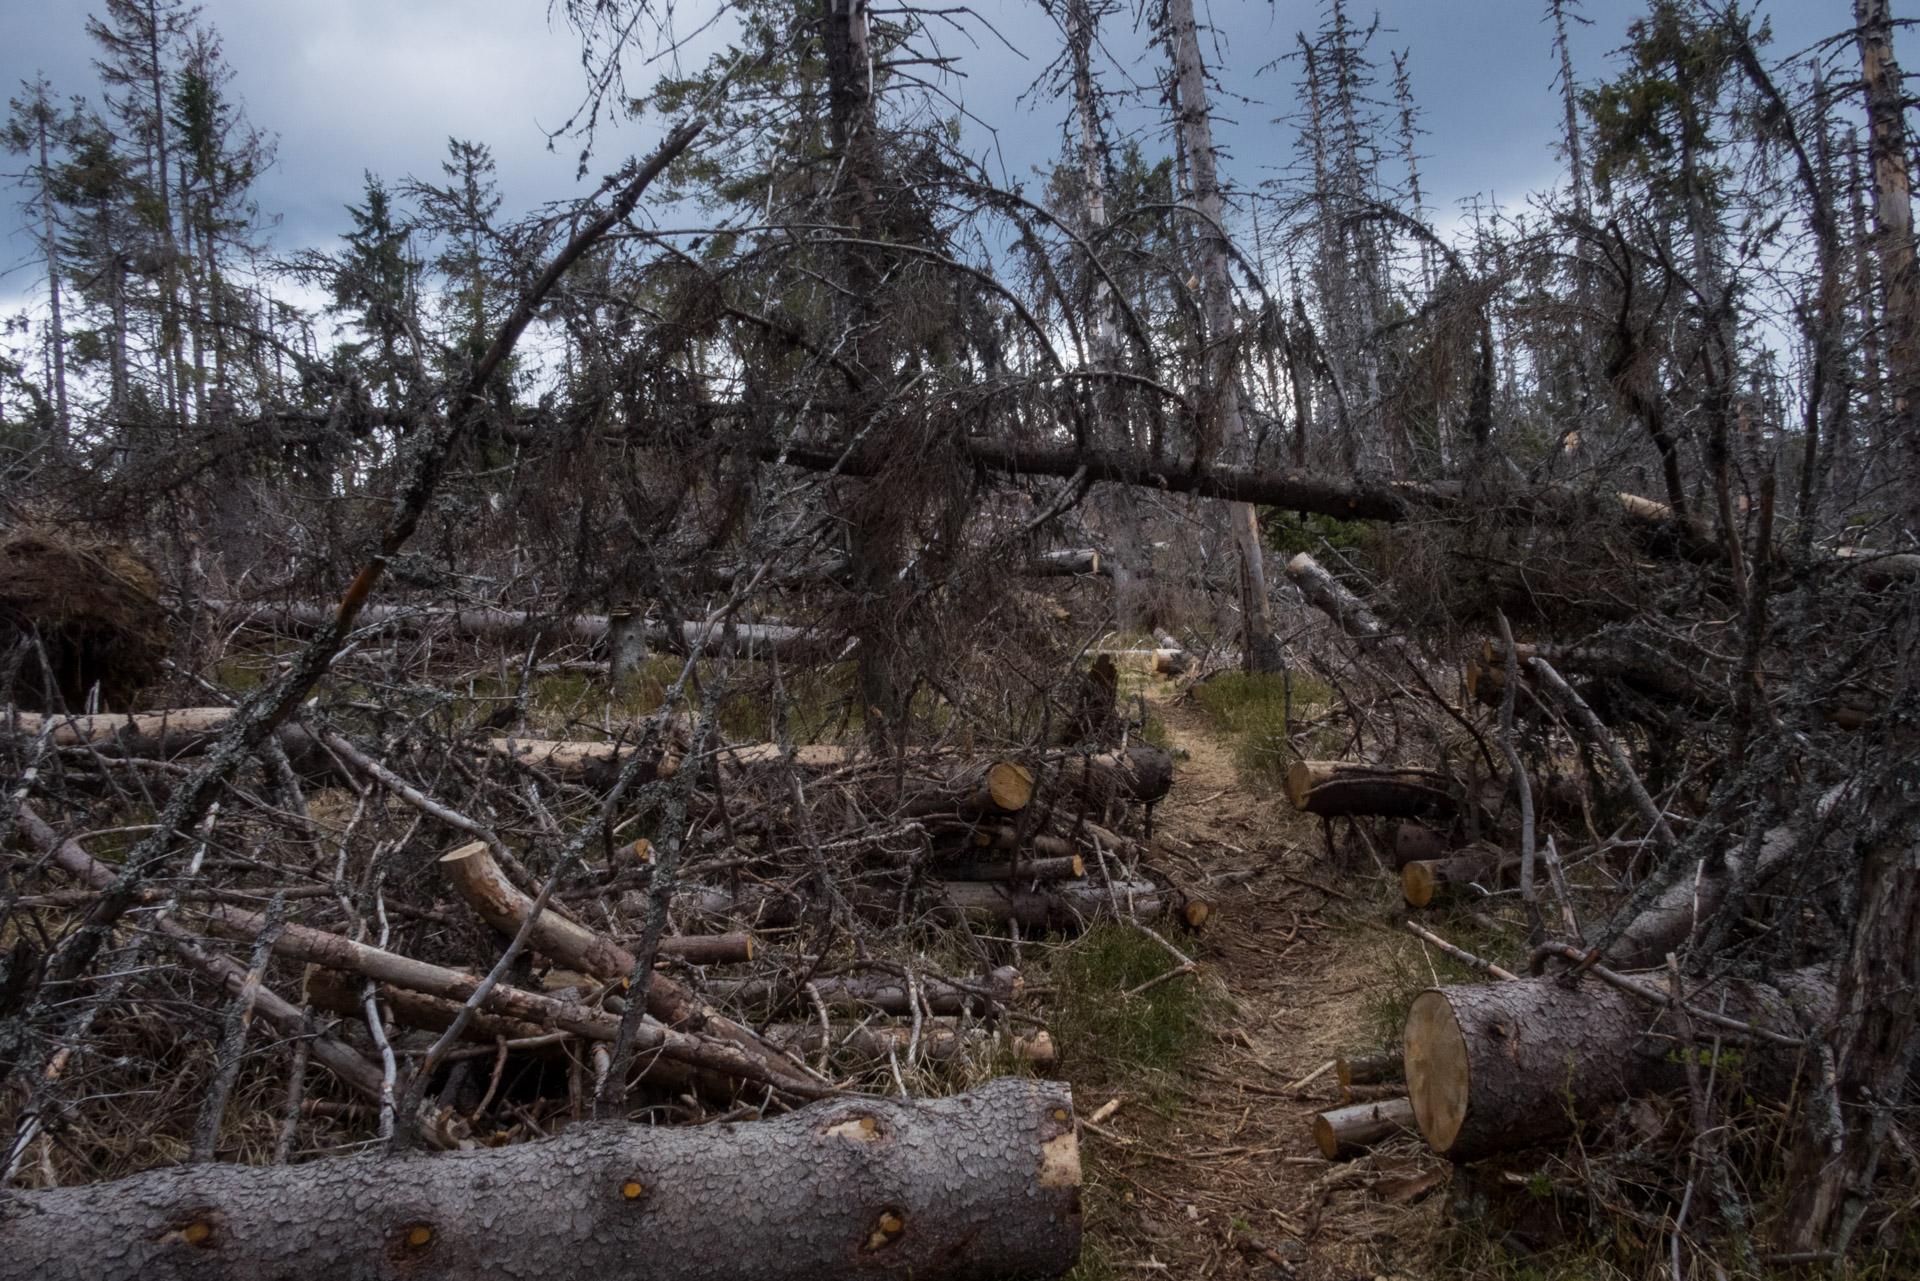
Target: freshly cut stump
x,y
983,1184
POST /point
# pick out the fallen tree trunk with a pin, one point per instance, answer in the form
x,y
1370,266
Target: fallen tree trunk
x,y
1344,1131
489,621
1143,773
887,994
1672,918
1340,789
982,1184
1496,1067
182,731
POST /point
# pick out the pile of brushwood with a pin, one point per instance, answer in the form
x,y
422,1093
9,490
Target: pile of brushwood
x,y
1669,849
429,911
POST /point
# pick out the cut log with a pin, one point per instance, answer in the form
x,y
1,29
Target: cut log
x,y
880,992
1072,867
1496,1067
1340,789
1331,597
1004,836
1143,773
1367,1069
1424,882
1416,842
982,1184
968,787
183,731
1672,918
1071,905
1344,1131
482,886
734,948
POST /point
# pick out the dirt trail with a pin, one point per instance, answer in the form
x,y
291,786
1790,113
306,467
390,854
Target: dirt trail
x,y
1239,1150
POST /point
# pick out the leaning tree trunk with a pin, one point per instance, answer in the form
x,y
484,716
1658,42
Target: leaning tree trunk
x,y
1499,1066
984,1184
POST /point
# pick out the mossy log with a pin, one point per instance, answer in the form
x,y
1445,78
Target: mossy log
x,y
983,1184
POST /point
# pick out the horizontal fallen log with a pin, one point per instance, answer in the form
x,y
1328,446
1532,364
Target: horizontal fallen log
x,y
1367,1069
750,640
982,1184
1005,836
1416,841
1342,789
181,731
732,948
1143,774
885,993
1345,1131
1500,1066
1667,924
1473,872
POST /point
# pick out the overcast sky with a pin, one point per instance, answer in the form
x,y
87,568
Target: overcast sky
x,y
355,85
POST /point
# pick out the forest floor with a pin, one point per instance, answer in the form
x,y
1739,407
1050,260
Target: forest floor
x,y
1306,956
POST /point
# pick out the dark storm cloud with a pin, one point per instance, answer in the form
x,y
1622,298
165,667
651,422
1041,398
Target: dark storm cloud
x,y
356,85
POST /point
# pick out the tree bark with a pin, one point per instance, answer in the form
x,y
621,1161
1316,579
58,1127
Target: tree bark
x,y
1889,152
981,1184
1669,922
1873,1043
1496,1067
1142,773
1068,868
1339,789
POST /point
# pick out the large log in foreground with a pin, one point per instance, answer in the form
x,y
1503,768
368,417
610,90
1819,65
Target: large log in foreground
x,y
1496,1067
984,1184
